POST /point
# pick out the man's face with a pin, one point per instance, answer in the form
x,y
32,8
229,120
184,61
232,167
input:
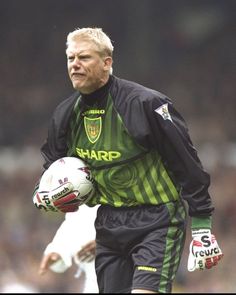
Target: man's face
x,y
87,69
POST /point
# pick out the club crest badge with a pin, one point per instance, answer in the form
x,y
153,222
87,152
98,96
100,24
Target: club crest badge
x,y
164,112
93,128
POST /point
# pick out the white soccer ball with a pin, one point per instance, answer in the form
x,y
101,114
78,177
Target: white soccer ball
x,y
69,169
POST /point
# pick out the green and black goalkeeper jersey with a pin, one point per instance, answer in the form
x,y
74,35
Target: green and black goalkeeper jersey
x,y
136,144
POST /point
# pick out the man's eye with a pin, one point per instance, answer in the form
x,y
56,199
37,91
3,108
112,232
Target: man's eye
x,y
84,57
70,58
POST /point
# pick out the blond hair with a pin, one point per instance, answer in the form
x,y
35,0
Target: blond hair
x,y
96,35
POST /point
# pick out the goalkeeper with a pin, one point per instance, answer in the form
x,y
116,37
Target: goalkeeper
x,y
145,167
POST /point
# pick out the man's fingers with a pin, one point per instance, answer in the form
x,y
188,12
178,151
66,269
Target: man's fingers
x,y
87,252
46,261
87,257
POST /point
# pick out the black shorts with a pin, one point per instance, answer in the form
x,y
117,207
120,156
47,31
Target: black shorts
x,y
139,247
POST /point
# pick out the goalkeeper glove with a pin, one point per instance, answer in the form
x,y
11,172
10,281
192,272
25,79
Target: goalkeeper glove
x,y
204,252
62,199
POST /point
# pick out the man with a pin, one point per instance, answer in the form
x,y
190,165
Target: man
x,y
74,241
144,166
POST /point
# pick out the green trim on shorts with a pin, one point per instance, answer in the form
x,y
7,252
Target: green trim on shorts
x,y
173,250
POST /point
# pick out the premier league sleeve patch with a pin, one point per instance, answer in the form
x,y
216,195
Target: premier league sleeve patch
x,y
164,112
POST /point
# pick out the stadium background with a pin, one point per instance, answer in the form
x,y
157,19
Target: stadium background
x,y
185,49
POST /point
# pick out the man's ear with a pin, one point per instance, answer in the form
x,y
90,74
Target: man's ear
x,y
108,63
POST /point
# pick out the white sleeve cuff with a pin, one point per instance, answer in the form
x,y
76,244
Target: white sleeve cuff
x,y
66,258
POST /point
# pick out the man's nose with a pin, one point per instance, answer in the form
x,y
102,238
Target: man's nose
x,y
76,62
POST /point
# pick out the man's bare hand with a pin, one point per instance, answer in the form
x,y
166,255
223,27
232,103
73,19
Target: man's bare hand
x,y
47,261
87,252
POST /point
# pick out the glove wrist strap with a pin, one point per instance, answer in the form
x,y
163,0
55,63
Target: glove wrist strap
x,y
201,222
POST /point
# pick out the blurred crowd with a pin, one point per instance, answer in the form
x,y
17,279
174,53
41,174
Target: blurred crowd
x,y
198,75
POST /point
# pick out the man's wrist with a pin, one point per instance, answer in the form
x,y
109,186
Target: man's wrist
x,y
201,222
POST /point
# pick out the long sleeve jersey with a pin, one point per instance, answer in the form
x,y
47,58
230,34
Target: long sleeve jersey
x,y
136,144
